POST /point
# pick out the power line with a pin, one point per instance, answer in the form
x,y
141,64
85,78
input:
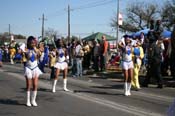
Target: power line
x,y
94,5
92,24
86,6
91,3
57,13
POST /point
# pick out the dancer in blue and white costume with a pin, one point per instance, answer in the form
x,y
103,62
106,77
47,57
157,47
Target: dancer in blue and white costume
x,y
32,71
61,64
127,64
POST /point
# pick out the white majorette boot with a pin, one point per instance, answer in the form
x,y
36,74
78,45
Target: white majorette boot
x,y
54,86
33,101
65,85
28,99
129,88
11,61
125,89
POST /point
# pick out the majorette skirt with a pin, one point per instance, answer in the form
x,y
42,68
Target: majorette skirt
x,y
61,65
32,73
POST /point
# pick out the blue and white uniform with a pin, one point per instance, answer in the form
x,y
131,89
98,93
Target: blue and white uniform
x,y
61,60
31,68
127,62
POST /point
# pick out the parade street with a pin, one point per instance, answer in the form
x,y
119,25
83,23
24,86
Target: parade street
x,y
89,96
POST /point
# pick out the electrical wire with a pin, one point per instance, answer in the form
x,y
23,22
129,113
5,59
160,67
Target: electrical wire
x,y
57,13
85,6
104,2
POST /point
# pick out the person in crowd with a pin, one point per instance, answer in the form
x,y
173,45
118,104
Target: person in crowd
x,y
172,56
52,61
96,52
104,53
12,51
23,50
41,60
165,67
1,54
154,63
168,58
158,29
138,55
145,50
61,64
151,33
69,53
79,53
6,55
32,71
18,56
73,58
152,24
142,37
86,58
127,63
46,55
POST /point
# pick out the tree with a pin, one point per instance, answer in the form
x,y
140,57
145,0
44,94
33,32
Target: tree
x,y
138,16
168,14
50,32
4,37
19,36
71,38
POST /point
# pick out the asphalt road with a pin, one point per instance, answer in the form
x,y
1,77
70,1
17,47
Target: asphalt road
x,y
90,96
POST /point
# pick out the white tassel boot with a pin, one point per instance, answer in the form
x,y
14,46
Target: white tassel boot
x,y
34,98
65,85
125,89
11,61
129,88
54,86
28,99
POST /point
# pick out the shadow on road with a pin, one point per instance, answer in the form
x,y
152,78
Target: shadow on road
x,y
96,92
44,90
18,72
118,86
10,102
39,89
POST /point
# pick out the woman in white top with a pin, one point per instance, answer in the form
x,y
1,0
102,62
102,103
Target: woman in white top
x,y
127,64
32,71
61,64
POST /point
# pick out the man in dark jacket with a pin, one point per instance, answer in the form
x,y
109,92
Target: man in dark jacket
x,y
172,61
154,64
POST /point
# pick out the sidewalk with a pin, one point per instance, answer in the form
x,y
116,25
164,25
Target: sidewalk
x,y
108,77
115,76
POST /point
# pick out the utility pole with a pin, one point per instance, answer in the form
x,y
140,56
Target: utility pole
x,y
42,28
68,23
117,22
9,29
